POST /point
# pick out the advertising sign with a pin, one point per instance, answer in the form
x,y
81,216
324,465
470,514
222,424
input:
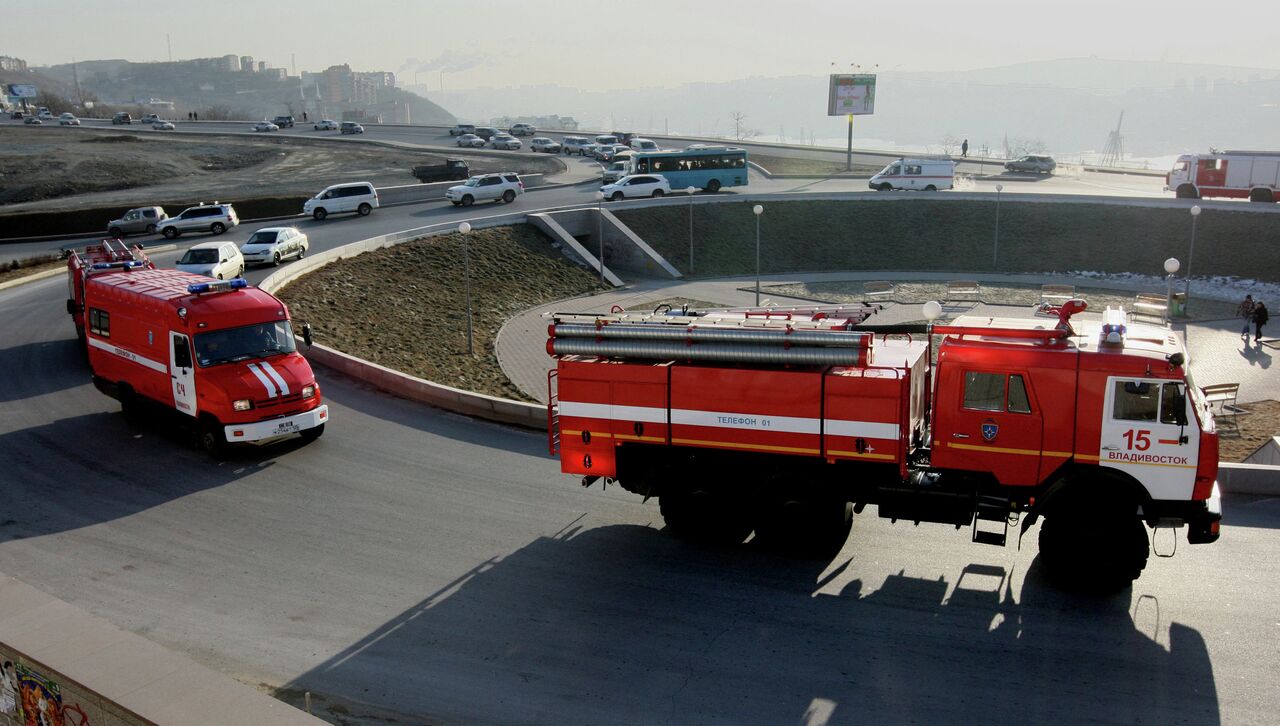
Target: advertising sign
x,y
852,94
22,90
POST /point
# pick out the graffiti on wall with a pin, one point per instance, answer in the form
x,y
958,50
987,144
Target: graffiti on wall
x,y
8,688
41,699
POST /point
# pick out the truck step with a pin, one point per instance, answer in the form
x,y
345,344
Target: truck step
x,y
992,538
991,509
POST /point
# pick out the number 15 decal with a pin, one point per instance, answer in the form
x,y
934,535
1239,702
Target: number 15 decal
x,y
1140,439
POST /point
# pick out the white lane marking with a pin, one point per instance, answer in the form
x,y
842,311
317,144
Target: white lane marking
x,y
275,376
128,355
271,389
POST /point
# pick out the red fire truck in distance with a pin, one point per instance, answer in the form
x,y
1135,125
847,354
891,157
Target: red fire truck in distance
x,y
785,423
1252,175
219,352
109,255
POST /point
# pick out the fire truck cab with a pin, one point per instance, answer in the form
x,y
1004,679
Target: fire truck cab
x,y
220,353
1252,175
785,427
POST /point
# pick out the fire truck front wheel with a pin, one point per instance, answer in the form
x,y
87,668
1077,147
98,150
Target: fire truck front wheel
x,y
1186,191
312,434
1094,551
211,438
705,516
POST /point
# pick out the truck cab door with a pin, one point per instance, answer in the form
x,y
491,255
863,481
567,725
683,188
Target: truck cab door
x,y
182,373
989,421
1149,433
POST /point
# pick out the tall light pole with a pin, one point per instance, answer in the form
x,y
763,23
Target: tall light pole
x,y
757,210
465,229
600,231
1186,289
690,191
995,250
1170,267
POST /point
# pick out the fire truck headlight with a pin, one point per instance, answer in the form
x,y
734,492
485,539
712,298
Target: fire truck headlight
x,y
243,404
308,391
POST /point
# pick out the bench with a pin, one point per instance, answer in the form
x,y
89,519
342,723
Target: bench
x,y
1223,395
877,288
1150,305
963,287
1057,294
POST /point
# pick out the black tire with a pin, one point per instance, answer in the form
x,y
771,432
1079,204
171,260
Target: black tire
x,y
617,197
456,204
171,232
809,528
320,213
704,516
364,209
1186,191
211,439
130,406
116,232
509,196
1262,195
151,229
931,188
1092,551
275,259
309,435
885,187
217,228
713,186
657,193
468,200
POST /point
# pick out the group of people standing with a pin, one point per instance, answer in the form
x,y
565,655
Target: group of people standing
x,y
1252,311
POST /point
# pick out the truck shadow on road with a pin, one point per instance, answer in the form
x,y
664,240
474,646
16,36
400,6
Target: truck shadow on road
x,y
626,624
36,369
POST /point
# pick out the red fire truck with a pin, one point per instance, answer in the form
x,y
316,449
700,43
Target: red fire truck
x,y
219,352
785,423
1252,175
109,255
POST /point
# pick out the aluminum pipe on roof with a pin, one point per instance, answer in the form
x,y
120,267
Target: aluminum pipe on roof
x,y
765,336
717,352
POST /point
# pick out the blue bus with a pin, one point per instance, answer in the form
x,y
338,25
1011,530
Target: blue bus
x,y
709,167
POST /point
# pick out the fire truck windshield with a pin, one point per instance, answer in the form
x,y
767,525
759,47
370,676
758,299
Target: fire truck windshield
x,y
261,340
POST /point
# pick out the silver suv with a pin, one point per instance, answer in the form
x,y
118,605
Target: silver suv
x,y
134,221
1032,163
505,186
216,218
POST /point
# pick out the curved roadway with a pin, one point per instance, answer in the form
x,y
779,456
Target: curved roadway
x,y
440,567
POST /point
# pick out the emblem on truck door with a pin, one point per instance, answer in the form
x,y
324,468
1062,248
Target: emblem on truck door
x,y
989,430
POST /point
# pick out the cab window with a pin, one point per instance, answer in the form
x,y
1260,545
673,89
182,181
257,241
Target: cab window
x,y
988,392
1136,401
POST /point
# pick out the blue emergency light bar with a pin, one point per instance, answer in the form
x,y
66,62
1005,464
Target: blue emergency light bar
x,y
121,264
217,286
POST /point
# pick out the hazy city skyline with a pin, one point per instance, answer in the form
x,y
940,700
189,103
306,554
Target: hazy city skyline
x,y
673,43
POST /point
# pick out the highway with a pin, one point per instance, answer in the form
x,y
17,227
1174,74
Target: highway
x,y
441,568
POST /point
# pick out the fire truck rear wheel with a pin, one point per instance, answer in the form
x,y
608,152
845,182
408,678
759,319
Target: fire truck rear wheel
x,y
1262,195
704,516
1094,552
815,527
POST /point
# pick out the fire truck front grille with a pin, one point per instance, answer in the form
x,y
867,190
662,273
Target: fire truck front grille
x,y
268,404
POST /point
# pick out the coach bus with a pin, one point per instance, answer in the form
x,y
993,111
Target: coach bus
x,y
709,168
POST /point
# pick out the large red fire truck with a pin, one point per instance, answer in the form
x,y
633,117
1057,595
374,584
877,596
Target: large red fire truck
x,y
1252,175
109,255
787,422
219,352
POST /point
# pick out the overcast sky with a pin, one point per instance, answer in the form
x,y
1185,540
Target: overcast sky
x,y
609,43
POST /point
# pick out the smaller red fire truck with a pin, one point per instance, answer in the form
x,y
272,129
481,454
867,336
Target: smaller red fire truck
x,y
1252,175
109,255
786,422
219,352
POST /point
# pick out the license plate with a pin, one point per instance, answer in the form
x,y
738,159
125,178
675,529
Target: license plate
x,y
288,427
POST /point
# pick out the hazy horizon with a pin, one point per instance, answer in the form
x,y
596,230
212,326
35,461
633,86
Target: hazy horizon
x,y
602,45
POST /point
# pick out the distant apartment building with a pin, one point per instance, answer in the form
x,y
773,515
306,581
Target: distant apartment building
x,y
379,79
229,63
9,63
246,64
262,66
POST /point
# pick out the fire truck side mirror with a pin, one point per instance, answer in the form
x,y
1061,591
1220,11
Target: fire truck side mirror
x,y
306,333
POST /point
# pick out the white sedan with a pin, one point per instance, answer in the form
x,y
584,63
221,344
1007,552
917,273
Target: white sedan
x,y
68,119
471,141
326,125
636,185
505,141
162,126
265,126
270,245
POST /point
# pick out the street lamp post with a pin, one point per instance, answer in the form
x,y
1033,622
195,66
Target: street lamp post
x,y
1171,266
690,191
465,230
600,231
1186,289
757,210
995,250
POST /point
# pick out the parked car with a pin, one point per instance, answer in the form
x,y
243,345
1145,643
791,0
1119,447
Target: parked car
x,y
265,126
68,119
639,144
216,218
471,141
486,132
350,127
270,245
326,125
542,143
636,185
140,220
163,126
121,117
358,197
213,259
522,130
1032,163
150,118
505,141
284,122
462,130
505,186
573,144
34,120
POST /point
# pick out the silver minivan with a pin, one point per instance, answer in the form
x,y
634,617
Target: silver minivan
x,y
358,197
142,220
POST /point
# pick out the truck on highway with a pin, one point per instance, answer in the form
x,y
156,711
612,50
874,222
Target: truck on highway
x,y
219,353
1252,175
786,422
450,170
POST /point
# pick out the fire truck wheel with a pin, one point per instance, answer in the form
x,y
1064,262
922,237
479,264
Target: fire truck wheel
x,y
130,406
702,516
212,440
1186,191
1262,195
1093,552
814,528
312,434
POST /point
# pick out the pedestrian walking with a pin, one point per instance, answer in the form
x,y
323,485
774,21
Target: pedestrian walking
x,y
964,149
195,115
1245,311
304,117
1260,318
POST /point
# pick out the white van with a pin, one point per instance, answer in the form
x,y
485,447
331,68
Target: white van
x,y
358,197
927,175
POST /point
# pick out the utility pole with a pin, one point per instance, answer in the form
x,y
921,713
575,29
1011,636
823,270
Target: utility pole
x,y
75,74
848,157
169,43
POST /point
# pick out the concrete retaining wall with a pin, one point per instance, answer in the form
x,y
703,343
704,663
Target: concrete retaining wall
x,y
1249,479
623,249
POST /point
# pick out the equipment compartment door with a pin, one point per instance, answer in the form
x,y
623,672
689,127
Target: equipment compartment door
x,y
182,373
1149,433
989,421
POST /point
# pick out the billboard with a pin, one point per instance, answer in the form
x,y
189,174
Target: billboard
x,y
22,90
852,94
